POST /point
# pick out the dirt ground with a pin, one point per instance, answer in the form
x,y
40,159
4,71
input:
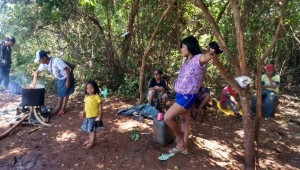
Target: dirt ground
x,y
217,143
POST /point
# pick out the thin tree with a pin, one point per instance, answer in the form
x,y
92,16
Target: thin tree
x,y
146,52
241,68
260,61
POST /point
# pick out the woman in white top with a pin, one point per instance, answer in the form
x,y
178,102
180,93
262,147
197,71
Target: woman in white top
x,y
63,74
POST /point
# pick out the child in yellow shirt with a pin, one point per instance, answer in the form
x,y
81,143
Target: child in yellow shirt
x,y
92,113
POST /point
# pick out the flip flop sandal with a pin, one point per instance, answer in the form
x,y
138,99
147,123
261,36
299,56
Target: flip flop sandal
x,y
165,157
175,150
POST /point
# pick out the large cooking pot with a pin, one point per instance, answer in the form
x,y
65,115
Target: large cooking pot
x,y
33,96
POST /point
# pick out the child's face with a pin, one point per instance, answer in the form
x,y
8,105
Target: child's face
x,y
184,50
90,89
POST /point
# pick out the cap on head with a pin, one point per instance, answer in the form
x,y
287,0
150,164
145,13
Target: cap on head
x,y
270,67
40,54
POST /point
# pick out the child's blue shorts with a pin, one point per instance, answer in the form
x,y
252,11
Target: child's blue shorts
x,y
186,100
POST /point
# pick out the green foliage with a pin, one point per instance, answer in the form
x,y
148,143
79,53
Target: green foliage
x,y
66,28
130,87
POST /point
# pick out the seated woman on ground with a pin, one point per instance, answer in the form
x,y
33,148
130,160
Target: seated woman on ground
x,y
202,99
228,100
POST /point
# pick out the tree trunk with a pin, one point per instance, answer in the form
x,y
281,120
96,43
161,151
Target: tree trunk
x,y
248,125
239,37
128,37
258,109
260,62
146,52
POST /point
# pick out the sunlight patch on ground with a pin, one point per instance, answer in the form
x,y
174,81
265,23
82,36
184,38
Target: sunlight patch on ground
x,y
128,125
66,136
117,107
114,105
268,163
100,165
271,161
14,151
262,129
295,148
282,125
240,133
216,149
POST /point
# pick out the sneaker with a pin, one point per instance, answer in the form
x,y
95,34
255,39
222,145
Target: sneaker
x,y
267,118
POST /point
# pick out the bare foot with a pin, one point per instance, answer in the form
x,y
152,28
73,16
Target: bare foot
x,y
61,112
89,145
56,111
179,150
179,141
86,142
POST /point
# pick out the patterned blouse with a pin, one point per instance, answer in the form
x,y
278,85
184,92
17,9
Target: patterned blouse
x,y
190,76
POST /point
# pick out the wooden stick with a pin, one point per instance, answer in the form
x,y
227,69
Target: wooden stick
x,y
295,121
3,135
33,130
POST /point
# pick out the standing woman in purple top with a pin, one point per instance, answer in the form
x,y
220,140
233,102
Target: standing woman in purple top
x,y
186,86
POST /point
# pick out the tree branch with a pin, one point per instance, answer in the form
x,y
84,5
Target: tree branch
x,y
219,17
128,37
229,79
222,13
278,30
200,4
239,37
97,23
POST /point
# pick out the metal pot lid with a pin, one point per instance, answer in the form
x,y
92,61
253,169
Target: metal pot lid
x,y
38,86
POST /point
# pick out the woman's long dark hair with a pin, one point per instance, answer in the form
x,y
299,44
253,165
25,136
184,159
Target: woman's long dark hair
x,y
192,44
95,85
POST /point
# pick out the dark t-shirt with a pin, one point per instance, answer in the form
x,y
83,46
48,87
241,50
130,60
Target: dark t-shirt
x,y
5,56
153,83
